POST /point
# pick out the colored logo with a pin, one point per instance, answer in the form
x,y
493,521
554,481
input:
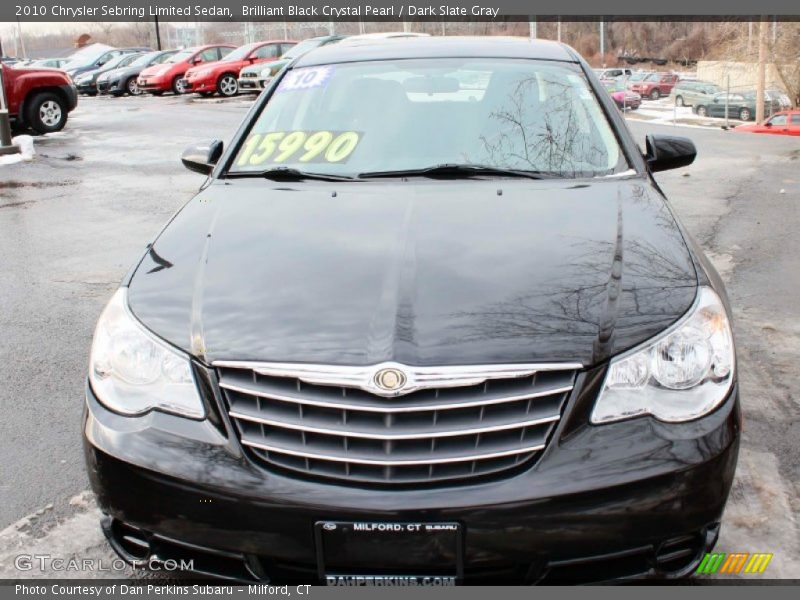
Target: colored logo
x,y
734,563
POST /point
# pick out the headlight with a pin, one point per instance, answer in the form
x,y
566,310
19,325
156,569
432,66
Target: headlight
x,y
133,372
270,72
683,374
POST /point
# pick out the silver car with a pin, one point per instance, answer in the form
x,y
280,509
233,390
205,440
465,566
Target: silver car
x,y
692,93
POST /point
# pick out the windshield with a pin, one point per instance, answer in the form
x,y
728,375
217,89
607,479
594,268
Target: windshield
x,y
86,56
240,53
144,59
180,56
302,48
653,77
122,59
379,116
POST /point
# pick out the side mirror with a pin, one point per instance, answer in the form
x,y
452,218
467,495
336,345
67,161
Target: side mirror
x,y
767,124
201,158
664,152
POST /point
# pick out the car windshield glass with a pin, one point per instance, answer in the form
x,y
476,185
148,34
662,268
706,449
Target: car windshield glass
x,y
653,77
144,59
180,56
301,48
240,52
403,115
116,61
85,56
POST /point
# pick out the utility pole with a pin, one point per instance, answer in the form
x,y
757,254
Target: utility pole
x,y
158,35
762,69
533,28
558,31
602,42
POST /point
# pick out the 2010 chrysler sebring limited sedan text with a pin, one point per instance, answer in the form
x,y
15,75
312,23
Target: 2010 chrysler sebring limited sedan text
x,y
430,320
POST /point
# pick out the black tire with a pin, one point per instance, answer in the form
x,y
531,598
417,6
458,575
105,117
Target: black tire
x,y
679,101
655,94
701,111
745,114
46,112
227,85
131,87
177,88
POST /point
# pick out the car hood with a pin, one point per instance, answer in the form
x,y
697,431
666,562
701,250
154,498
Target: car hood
x,y
214,65
258,67
421,272
158,70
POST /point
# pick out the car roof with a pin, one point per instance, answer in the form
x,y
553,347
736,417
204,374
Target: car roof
x,y
438,47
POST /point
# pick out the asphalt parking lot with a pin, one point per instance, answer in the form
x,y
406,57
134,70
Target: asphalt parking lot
x,y
74,219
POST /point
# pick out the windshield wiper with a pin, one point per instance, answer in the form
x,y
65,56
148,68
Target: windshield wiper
x,y
456,169
290,174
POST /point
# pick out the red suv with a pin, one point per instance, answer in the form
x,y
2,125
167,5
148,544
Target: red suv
x,y
39,98
168,76
222,76
655,85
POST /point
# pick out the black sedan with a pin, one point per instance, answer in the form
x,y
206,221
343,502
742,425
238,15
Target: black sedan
x,y
430,320
86,83
122,79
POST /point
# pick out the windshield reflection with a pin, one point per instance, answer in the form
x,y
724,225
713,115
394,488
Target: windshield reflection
x,y
414,114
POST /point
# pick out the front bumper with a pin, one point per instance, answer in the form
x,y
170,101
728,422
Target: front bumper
x,y
253,84
110,86
89,87
153,84
636,498
192,86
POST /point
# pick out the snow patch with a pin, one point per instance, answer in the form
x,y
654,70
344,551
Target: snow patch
x,y
25,154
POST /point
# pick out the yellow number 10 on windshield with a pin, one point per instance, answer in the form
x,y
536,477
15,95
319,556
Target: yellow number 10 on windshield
x,y
298,146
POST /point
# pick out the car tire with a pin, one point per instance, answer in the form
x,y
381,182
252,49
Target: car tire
x,y
679,101
745,114
46,112
131,87
177,88
227,85
701,111
655,94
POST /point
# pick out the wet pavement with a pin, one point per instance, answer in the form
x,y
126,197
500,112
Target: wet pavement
x,y
73,220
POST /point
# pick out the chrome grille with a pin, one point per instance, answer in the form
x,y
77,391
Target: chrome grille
x,y
476,421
